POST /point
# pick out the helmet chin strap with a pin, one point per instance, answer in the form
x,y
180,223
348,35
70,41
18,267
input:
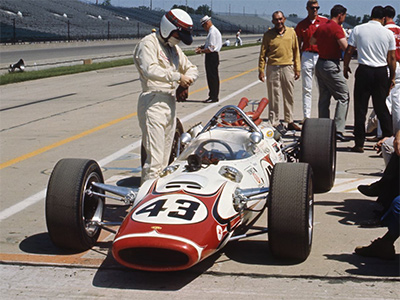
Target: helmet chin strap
x,y
170,41
163,40
173,41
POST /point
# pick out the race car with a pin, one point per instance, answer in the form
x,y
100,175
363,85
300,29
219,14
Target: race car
x,y
214,191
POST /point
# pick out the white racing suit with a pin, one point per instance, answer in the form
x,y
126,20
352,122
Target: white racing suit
x,y
160,67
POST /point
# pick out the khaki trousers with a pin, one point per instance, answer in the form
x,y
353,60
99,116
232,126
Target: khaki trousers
x,y
280,82
156,114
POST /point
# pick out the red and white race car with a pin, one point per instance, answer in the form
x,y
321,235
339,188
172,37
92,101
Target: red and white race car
x,y
230,171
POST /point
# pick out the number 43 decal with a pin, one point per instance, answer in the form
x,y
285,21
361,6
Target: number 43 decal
x,y
176,209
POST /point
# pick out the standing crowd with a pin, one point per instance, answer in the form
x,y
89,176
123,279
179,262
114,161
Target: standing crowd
x,y
315,47
323,44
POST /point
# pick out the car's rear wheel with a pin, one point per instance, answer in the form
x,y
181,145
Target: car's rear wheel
x,y
318,148
291,211
70,208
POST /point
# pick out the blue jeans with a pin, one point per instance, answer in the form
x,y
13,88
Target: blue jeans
x,y
391,218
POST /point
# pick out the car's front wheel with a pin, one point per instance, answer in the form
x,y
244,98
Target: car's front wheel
x,y
291,211
71,207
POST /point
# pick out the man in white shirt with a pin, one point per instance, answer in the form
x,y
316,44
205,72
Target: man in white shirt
x,y
309,53
238,38
394,97
376,51
211,48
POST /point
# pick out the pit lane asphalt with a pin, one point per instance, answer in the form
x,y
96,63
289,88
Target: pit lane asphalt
x,y
93,115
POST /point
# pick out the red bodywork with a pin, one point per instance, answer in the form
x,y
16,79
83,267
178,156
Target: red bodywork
x,y
172,231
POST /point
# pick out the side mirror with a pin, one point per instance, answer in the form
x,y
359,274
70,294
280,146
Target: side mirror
x,y
256,137
186,138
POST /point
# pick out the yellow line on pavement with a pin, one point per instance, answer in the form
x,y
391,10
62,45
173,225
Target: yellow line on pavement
x,y
63,142
87,132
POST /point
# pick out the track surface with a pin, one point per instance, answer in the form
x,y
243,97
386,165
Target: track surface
x,y
93,115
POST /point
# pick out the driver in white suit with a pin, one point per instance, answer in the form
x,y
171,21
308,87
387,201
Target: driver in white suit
x,y
162,68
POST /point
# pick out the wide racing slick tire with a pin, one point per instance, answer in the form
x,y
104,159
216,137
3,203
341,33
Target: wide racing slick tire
x,y
174,148
69,209
291,211
318,148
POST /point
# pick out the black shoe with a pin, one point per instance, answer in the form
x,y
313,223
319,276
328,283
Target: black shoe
x,y
371,190
357,149
293,126
378,248
374,139
341,137
209,100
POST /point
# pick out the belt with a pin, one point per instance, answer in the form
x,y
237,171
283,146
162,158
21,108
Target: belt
x,y
328,59
371,67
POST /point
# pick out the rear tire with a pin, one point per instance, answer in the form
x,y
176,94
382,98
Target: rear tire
x,y
318,148
175,142
291,211
69,209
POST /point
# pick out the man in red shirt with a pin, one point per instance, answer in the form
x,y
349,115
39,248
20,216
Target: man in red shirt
x,y
309,53
330,39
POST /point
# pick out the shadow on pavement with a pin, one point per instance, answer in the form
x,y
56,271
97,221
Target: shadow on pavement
x,y
113,275
368,266
41,244
351,211
254,253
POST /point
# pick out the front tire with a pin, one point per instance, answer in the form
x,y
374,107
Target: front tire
x,y
291,211
69,209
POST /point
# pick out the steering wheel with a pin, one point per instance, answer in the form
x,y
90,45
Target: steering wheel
x,y
201,150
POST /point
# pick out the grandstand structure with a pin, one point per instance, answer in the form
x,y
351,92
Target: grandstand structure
x,y
61,20
38,20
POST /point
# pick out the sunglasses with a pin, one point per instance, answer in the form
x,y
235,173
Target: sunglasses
x,y
314,7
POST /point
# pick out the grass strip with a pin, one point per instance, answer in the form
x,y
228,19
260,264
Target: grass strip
x,y
66,70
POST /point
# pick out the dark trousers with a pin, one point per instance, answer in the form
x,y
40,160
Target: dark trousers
x,y
212,63
373,82
389,185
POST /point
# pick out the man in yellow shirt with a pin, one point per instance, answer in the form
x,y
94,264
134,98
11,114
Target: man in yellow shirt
x,y
280,52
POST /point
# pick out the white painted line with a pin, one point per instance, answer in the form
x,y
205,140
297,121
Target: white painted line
x,y
20,206
119,153
189,117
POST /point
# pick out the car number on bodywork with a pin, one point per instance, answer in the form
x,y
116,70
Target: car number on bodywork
x,y
171,209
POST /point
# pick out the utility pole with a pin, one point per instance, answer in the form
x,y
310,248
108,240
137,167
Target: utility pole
x,y
14,33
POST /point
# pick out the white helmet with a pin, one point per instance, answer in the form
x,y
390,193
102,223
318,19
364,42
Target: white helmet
x,y
179,20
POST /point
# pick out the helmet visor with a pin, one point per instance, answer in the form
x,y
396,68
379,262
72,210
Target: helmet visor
x,y
185,36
